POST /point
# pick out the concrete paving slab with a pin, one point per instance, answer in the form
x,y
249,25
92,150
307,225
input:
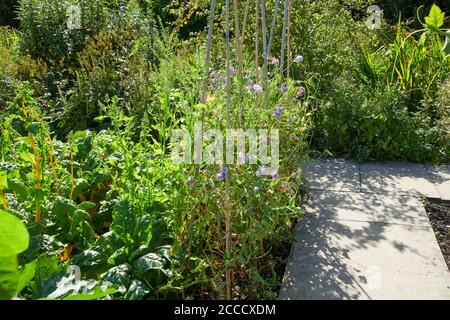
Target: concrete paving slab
x,y
371,240
397,178
333,174
367,207
440,177
341,259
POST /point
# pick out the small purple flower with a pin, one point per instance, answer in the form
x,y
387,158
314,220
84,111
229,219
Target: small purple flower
x,y
222,80
284,88
256,88
222,174
298,59
278,112
301,91
190,181
232,71
275,176
262,171
274,60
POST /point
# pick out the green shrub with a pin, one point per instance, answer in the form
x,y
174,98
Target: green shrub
x,y
374,123
45,33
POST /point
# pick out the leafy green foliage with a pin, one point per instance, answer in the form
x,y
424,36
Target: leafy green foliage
x,y
401,70
14,239
435,18
88,115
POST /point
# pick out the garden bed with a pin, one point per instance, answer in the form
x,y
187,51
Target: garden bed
x,y
439,215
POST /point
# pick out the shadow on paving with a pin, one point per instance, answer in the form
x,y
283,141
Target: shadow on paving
x,y
324,263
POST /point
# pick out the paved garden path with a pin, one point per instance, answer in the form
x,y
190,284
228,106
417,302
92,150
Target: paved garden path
x,y
366,234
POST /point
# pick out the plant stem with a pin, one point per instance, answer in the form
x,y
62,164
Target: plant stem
x,y
283,37
238,54
208,50
244,23
267,54
228,178
203,100
257,41
37,168
289,53
264,31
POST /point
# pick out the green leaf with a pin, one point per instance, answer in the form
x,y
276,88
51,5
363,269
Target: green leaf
x,y
9,276
26,275
150,261
63,209
80,229
130,227
47,273
19,188
435,19
14,237
142,250
86,205
3,180
97,294
118,275
118,257
100,118
88,258
137,290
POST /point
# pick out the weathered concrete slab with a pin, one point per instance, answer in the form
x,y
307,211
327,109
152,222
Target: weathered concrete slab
x,y
342,259
367,207
440,177
333,174
371,240
397,178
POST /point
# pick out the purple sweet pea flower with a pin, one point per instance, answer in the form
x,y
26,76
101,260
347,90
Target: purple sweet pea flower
x,y
275,176
256,88
232,71
278,112
298,59
274,60
190,181
262,171
301,91
284,88
222,80
265,171
222,174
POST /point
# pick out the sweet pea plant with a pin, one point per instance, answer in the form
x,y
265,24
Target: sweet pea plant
x,y
110,215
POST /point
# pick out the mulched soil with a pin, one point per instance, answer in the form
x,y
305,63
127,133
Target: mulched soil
x,y
439,215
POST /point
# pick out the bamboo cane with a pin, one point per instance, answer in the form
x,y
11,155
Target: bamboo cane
x,y
283,37
203,100
257,41
228,178
238,54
